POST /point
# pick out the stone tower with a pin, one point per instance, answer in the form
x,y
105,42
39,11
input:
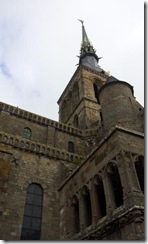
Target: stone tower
x,y
103,199
78,105
81,178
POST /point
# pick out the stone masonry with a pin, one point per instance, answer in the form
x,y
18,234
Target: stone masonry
x,y
81,178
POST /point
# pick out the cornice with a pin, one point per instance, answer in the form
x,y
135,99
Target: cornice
x,y
37,148
15,111
133,214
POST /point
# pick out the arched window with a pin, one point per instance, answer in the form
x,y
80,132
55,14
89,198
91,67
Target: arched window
x,y
27,133
96,91
76,121
139,166
71,147
115,182
99,197
76,215
86,206
31,228
97,85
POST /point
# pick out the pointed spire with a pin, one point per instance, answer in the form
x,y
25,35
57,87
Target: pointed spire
x,y
87,48
85,40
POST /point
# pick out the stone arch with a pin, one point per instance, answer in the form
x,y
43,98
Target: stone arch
x,y
43,150
38,148
62,155
71,147
76,121
31,227
5,138
98,198
16,142
27,133
11,140
22,144
34,180
75,214
32,147
97,84
86,205
115,183
27,145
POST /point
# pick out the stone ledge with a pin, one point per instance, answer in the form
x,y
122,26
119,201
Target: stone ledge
x,y
101,230
38,148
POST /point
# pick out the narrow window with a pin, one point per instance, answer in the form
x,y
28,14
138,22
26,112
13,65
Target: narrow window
x,y
97,85
116,185
76,121
71,147
139,166
31,228
76,215
99,197
87,206
101,118
27,133
96,91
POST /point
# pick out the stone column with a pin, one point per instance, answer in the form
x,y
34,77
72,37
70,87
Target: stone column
x,y
82,213
68,218
130,183
94,204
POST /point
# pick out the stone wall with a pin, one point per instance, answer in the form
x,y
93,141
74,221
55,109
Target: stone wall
x,y
113,152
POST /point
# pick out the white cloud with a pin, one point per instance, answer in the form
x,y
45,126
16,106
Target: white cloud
x,y
40,40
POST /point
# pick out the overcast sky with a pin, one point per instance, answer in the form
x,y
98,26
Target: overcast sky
x,y
40,41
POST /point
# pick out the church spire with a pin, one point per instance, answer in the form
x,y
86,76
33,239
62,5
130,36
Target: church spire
x,y
87,48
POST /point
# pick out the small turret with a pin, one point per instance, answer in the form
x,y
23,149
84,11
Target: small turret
x,y
119,106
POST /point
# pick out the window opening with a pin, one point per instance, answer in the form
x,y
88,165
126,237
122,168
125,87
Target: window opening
x,y
139,166
31,228
100,197
116,185
76,215
27,133
87,207
71,147
76,121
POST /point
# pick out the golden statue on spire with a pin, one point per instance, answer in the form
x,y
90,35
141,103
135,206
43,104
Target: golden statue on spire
x,y
82,21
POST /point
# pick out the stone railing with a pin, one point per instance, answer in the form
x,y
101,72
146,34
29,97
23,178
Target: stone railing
x,y
47,122
38,148
39,119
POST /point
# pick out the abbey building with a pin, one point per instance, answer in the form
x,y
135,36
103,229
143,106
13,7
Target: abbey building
x,y
81,178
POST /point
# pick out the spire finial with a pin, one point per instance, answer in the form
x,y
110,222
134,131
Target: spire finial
x,y
86,46
82,21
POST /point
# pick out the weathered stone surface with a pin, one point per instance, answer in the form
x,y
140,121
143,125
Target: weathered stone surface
x,y
93,190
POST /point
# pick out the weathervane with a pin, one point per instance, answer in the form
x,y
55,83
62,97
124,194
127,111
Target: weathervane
x,y
82,21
